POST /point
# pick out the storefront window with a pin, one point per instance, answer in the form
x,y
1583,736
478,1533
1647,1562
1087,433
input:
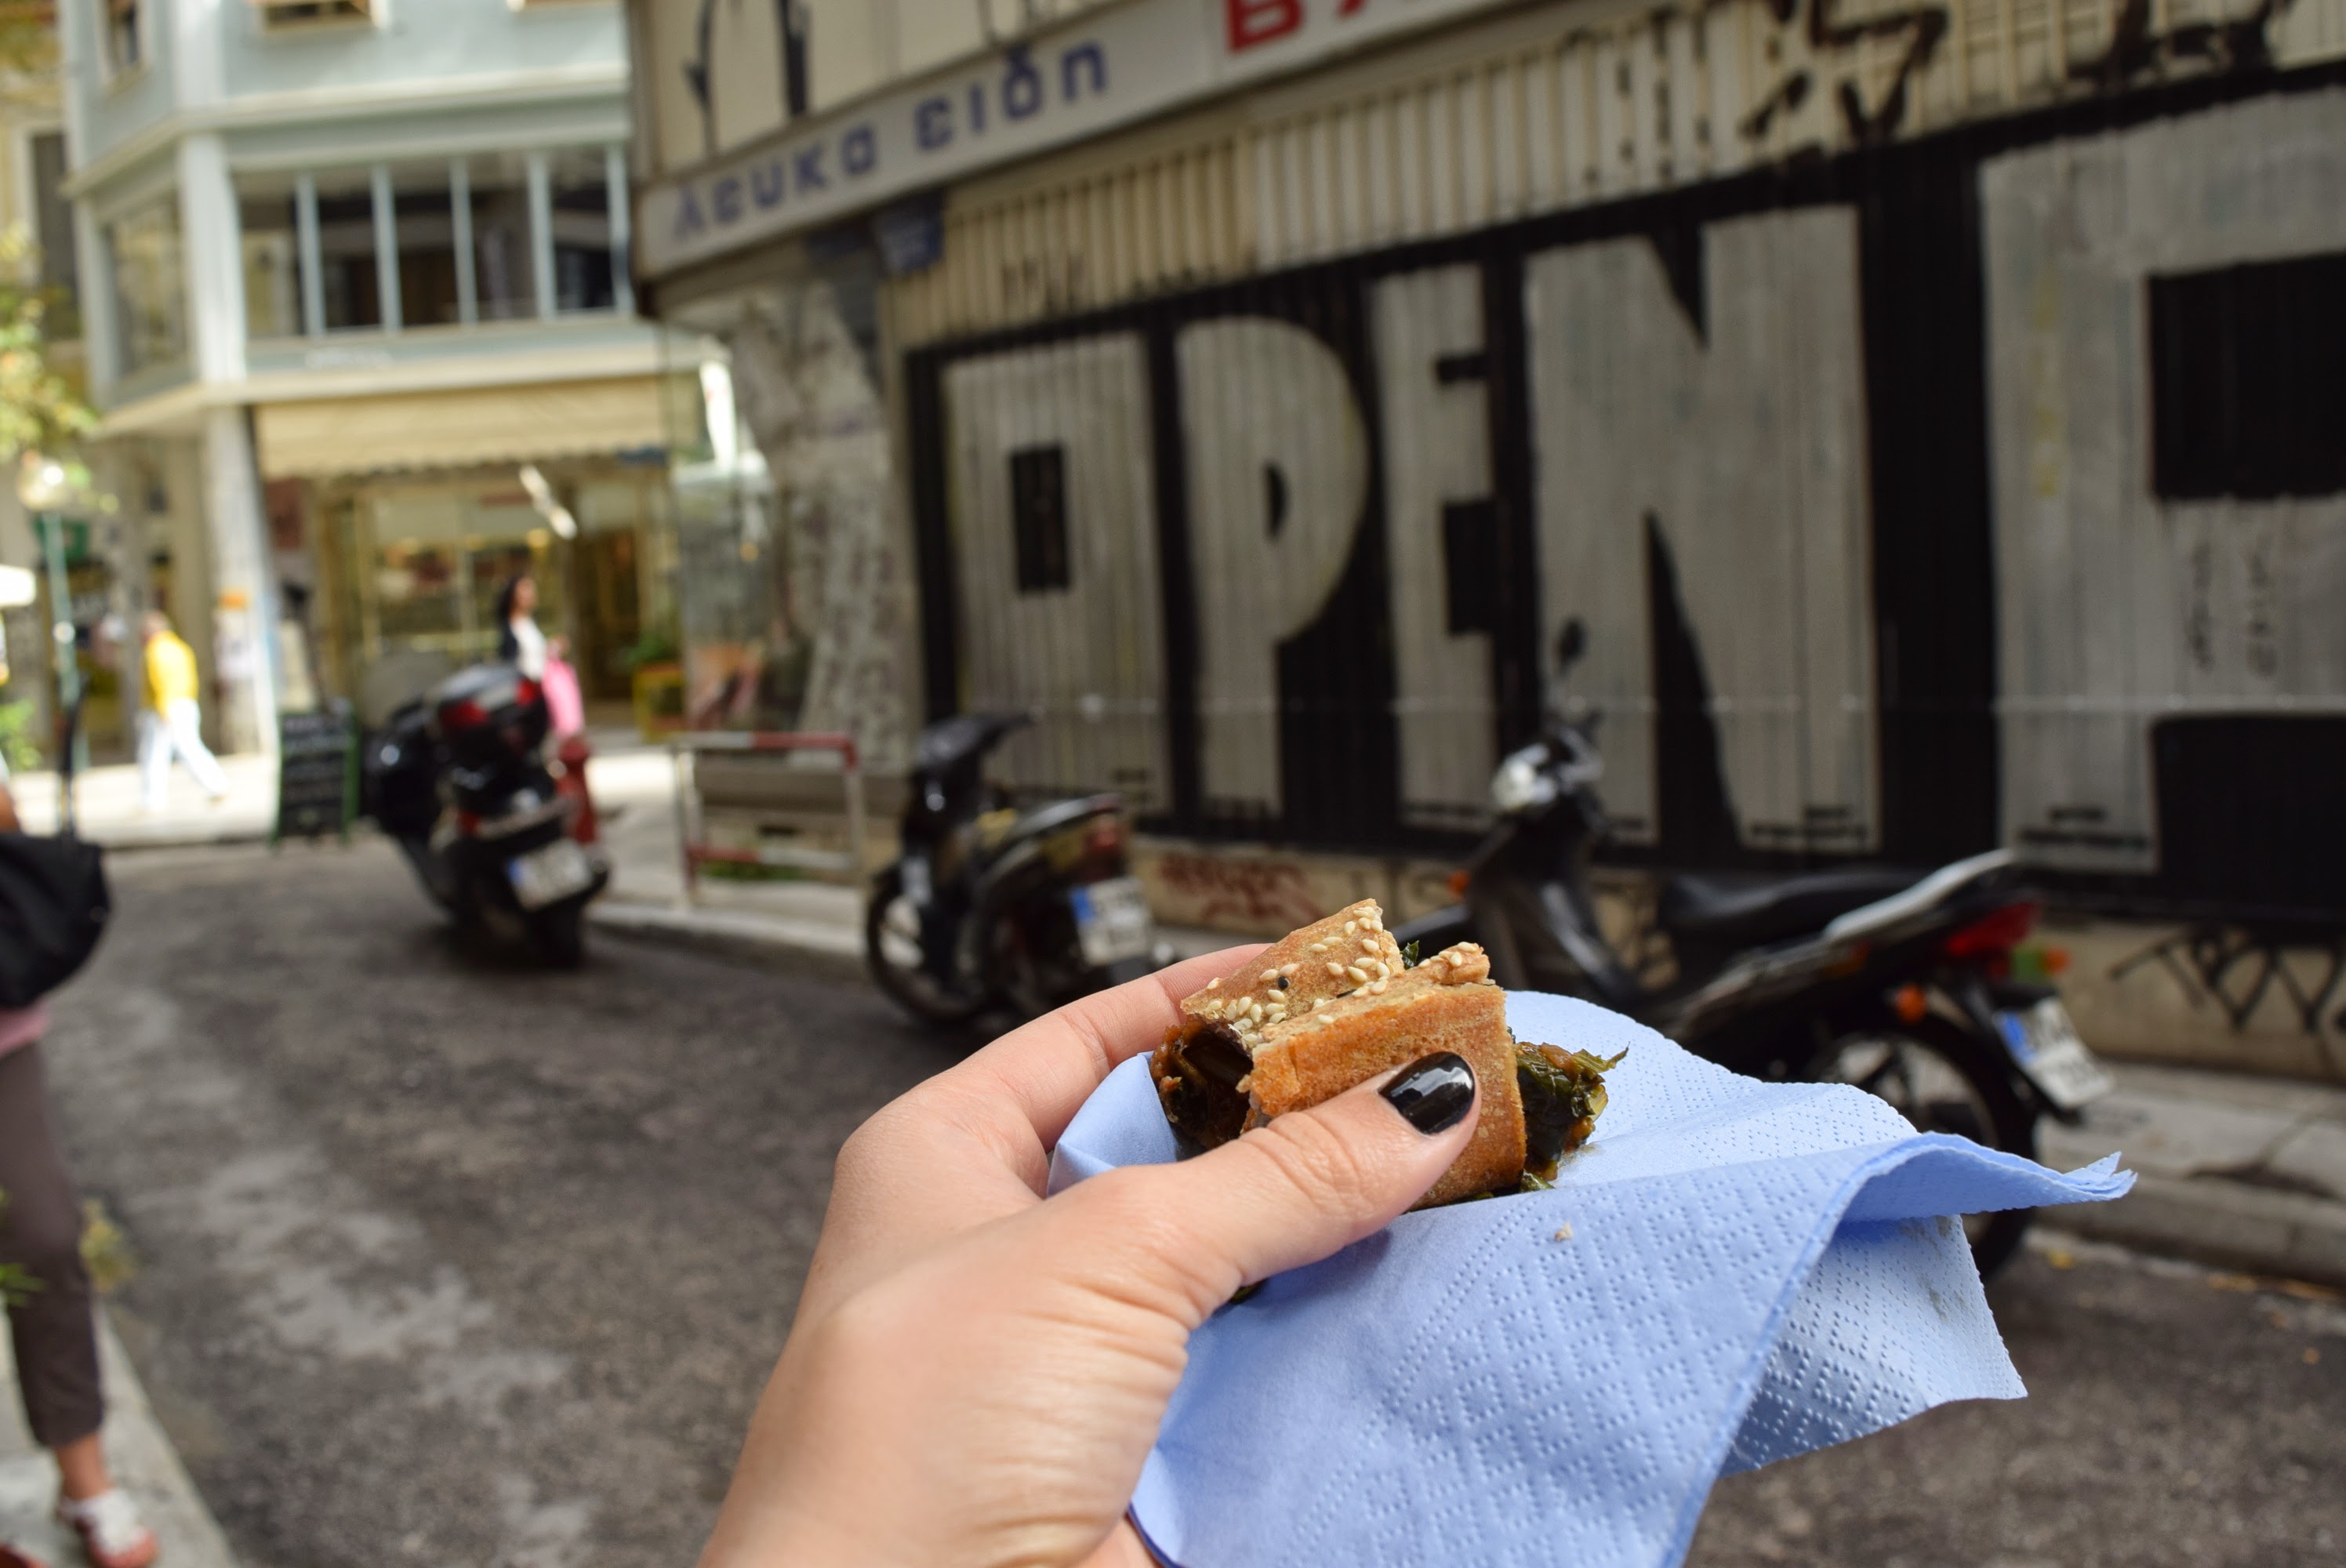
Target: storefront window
x,y
425,219
270,217
144,251
581,192
501,268
346,257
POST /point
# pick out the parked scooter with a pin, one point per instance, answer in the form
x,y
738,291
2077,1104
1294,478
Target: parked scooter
x,y
992,906
1901,984
500,839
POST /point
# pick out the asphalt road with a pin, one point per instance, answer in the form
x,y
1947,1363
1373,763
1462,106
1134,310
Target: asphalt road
x,y
444,1260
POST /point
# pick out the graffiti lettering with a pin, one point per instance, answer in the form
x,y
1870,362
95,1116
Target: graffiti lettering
x,y
1921,26
2237,969
1253,22
1268,895
2136,51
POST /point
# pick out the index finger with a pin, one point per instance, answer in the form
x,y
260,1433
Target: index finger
x,y
1048,1068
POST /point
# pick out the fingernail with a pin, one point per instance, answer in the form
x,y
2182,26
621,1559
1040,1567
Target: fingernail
x,y
1433,1092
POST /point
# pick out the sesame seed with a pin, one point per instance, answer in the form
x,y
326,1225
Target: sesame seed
x,y
1356,975
1213,985
1268,976
1286,969
1337,970
1283,982
1318,1002
1350,926
1377,988
1244,1084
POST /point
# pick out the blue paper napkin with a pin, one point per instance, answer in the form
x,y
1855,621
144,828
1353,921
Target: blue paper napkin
x,y
1733,1272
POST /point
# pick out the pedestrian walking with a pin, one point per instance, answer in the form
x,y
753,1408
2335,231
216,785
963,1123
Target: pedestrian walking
x,y
173,723
53,1324
519,642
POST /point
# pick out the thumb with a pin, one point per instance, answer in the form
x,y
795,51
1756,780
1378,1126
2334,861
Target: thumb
x,y
1309,1184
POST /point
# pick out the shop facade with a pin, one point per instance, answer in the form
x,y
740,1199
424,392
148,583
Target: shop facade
x,y
353,280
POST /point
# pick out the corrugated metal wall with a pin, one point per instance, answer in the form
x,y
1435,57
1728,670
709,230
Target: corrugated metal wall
x,y
1542,111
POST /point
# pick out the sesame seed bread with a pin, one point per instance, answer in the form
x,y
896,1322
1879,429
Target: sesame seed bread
x,y
1328,1007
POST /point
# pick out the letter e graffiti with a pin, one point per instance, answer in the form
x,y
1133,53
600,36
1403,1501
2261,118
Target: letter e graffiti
x,y
1256,22
768,183
725,200
859,150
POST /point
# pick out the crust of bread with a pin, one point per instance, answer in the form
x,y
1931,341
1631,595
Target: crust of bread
x,y
1447,1004
1318,963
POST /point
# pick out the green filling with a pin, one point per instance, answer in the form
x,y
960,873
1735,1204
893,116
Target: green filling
x,y
1564,1094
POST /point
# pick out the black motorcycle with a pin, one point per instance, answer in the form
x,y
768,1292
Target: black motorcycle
x,y
459,780
992,906
1898,982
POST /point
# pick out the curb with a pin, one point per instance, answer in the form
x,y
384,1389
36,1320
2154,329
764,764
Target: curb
x,y
144,1461
2286,1234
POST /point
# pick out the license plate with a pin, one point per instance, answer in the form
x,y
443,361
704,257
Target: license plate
x,y
2044,1042
1112,920
549,875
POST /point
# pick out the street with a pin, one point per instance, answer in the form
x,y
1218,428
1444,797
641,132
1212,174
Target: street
x,y
442,1259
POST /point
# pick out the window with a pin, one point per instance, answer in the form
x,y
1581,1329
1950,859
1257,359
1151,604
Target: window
x,y
268,210
125,37
288,14
424,219
53,227
504,267
143,254
2248,373
350,283
580,196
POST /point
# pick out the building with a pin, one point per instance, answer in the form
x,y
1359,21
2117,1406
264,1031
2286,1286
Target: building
x,y
33,207
1924,406
348,267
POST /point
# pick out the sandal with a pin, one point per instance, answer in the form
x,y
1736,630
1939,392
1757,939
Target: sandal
x,y
112,1535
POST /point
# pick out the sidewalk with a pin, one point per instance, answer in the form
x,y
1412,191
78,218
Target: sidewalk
x,y
144,1463
108,809
2247,1172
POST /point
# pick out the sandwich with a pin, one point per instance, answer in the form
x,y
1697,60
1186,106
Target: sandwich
x,y
1339,1001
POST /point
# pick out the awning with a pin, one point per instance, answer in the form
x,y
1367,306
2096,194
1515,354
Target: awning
x,y
316,438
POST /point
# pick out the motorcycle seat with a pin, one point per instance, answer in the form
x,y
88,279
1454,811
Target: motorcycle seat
x,y
1739,911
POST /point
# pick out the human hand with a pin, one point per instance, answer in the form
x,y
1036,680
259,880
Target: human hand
x,y
975,1373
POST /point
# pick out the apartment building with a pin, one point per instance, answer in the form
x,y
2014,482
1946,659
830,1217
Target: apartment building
x,y
348,267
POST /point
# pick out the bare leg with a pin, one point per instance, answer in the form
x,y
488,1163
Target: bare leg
x,y
81,1467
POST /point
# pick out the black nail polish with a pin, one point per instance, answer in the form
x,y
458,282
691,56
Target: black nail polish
x,y
1433,1092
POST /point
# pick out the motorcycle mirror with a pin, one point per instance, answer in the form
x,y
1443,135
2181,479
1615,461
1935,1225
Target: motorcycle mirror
x,y
1570,644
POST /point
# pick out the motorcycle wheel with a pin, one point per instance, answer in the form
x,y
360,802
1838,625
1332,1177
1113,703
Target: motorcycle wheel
x,y
1942,1080
558,936
892,951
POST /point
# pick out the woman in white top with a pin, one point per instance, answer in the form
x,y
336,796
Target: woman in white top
x,y
520,643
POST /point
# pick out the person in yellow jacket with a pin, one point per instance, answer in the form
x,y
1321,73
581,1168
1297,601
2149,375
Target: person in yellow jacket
x,y
173,722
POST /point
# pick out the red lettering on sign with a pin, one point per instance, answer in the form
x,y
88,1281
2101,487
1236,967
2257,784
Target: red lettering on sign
x,y
1349,7
1256,22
